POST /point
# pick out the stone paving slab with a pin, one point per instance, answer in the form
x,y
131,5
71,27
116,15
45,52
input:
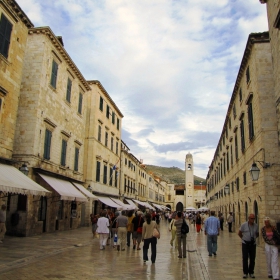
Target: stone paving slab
x,y
75,254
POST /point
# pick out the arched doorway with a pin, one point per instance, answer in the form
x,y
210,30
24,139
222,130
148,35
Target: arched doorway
x,y
179,207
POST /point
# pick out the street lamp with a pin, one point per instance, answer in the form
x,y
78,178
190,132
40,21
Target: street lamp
x,y
24,169
254,172
226,189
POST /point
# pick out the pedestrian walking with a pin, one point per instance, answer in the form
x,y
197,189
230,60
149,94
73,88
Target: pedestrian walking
x,y
114,229
130,216
94,219
138,222
172,229
2,222
212,229
148,238
103,229
271,237
248,232
181,238
122,222
198,222
230,221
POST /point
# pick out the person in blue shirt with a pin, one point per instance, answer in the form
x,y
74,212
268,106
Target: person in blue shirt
x,y
212,229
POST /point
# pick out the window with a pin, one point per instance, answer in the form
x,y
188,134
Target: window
x,y
98,167
108,112
76,160
227,161
242,135
101,104
68,91
106,138
231,155
248,75
112,143
236,146
113,118
229,123
234,111
118,124
105,174
111,177
237,184
47,145
5,35
42,209
63,153
240,94
22,201
54,74
80,106
116,178
250,120
244,179
117,147
99,133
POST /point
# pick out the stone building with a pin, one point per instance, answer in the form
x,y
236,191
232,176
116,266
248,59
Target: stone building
x,y
249,139
15,187
50,131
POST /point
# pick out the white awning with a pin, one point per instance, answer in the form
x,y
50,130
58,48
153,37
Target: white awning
x,y
109,202
145,204
14,181
123,205
66,190
158,206
85,191
132,203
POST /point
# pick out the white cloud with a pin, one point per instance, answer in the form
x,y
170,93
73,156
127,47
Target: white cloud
x,y
170,66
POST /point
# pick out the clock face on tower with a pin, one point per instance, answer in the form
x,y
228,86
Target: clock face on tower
x,y
189,186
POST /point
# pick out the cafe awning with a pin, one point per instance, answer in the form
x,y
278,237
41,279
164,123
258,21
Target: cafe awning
x,y
66,190
85,191
132,203
14,181
109,202
123,205
145,204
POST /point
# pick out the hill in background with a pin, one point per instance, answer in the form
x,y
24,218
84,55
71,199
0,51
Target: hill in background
x,y
172,175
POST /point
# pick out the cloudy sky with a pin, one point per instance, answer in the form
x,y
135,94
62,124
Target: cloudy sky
x,y
170,66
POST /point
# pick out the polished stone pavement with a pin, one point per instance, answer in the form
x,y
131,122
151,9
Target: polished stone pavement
x,y
75,254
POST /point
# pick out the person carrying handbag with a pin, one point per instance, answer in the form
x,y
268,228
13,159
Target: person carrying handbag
x,y
148,238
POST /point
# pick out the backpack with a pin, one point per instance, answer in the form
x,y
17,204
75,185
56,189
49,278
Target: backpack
x,y
184,228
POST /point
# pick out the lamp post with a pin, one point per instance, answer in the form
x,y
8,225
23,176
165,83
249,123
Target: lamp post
x,y
255,172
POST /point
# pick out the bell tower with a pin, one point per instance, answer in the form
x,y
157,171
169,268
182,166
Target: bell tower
x,y
189,181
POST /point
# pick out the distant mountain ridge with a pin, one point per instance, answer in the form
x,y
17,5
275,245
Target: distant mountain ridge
x,y
172,175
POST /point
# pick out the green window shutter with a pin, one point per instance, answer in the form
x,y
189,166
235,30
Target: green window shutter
x,y
54,74
101,104
113,118
80,103
5,35
98,164
108,112
68,92
105,174
47,145
63,152
76,163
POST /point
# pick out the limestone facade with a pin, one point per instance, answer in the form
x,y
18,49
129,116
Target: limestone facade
x,y
249,135
12,51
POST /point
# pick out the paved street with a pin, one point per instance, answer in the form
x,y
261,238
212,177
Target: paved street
x,y
75,255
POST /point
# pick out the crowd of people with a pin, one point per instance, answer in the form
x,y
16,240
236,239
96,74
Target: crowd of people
x,y
137,226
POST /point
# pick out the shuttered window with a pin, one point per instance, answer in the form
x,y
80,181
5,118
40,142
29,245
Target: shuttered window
x,y
47,145
68,91
80,106
54,74
5,35
98,165
63,152
76,162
